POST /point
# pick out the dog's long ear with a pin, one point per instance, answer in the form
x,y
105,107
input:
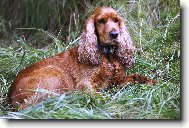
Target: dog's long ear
x,y
88,48
125,49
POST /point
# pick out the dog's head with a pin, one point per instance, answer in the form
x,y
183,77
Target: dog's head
x,y
107,29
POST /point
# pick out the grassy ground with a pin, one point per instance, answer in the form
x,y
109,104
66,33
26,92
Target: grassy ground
x,y
154,27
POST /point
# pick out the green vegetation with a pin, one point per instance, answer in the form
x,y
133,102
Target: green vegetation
x,y
38,29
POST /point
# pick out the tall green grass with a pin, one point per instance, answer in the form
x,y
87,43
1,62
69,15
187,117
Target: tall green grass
x,y
62,17
154,27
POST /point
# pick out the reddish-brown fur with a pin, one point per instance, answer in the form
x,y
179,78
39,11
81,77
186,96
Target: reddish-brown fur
x,y
98,61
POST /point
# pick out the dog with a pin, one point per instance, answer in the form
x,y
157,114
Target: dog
x,y
104,53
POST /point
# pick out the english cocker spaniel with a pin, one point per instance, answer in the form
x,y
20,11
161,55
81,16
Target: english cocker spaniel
x,y
105,50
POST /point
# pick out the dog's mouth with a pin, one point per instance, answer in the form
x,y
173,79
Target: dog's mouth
x,y
109,48
112,43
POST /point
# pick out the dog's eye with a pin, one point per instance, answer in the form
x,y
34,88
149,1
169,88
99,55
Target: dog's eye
x,y
101,21
116,20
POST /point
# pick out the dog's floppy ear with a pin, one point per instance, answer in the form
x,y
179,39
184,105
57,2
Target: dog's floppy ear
x,y
125,49
88,49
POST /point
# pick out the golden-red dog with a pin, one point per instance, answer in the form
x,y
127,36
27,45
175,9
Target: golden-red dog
x,y
105,50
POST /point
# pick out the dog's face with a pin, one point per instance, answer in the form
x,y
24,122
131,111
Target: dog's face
x,y
107,26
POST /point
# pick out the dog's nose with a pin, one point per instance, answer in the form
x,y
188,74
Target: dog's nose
x,y
113,34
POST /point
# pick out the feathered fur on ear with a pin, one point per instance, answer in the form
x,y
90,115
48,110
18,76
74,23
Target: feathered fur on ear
x,y
88,49
125,46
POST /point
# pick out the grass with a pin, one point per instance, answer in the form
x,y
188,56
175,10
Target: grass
x,y
154,27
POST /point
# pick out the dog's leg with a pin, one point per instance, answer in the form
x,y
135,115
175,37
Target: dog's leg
x,y
136,78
